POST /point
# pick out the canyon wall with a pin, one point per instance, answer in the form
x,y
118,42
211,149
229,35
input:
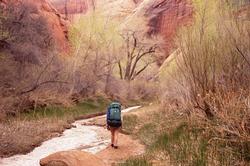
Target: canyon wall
x,y
163,17
57,25
166,17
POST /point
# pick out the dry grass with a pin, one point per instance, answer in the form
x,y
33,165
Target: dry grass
x,y
22,136
213,80
173,136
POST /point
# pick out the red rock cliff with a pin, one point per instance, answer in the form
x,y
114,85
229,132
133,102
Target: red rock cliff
x,y
70,6
56,23
166,17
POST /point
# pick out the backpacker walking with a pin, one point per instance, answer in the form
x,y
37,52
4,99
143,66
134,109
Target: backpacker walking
x,y
114,122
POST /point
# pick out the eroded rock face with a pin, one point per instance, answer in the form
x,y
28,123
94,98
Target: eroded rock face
x,y
69,7
43,9
166,17
71,158
58,25
72,8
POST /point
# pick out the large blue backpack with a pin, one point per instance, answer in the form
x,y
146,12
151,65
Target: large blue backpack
x,y
114,115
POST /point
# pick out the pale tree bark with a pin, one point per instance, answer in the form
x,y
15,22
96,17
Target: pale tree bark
x,y
76,59
136,54
66,9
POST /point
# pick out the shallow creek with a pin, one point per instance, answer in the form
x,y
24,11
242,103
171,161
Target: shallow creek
x,y
91,139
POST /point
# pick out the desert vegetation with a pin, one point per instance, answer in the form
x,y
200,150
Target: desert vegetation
x,y
35,74
41,85
199,111
28,60
113,58
204,114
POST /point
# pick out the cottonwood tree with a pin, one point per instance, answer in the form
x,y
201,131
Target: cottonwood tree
x,y
139,55
213,69
93,40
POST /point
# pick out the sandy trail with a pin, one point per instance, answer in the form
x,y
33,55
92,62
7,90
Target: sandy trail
x,y
127,148
86,136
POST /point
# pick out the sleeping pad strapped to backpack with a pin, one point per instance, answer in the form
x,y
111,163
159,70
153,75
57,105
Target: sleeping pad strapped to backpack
x,y
114,115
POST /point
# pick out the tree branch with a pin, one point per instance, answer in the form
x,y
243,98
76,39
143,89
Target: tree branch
x,y
141,70
151,50
40,84
120,69
242,54
134,47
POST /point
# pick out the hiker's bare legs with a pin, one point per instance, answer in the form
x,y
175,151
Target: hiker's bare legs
x,y
112,136
116,131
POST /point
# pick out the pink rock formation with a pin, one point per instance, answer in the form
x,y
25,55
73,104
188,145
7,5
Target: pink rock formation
x,y
71,158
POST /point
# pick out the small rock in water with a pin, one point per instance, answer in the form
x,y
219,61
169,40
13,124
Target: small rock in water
x,y
68,126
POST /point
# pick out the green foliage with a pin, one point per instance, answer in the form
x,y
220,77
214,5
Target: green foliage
x,y
95,45
184,143
209,47
94,32
129,123
183,146
147,133
86,107
188,145
95,37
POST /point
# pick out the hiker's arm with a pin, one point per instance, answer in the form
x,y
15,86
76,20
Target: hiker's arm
x,y
107,115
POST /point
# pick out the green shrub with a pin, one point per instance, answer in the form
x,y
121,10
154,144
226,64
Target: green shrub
x,y
85,107
182,146
147,133
129,123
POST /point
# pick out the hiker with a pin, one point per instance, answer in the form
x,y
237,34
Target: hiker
x,y
114,122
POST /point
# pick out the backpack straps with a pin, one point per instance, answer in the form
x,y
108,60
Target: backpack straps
x,y
108,113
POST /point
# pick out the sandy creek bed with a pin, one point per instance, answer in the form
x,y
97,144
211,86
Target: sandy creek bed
x,y
92,139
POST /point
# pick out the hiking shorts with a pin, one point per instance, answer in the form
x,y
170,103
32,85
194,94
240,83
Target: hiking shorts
x,y
115,124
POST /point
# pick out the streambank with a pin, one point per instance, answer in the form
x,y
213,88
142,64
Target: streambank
x,y
88,138
22,133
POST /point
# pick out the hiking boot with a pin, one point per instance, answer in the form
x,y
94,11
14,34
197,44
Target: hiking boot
x,y
112,145
116,147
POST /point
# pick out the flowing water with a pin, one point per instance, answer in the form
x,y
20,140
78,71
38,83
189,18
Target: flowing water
x,y
87,138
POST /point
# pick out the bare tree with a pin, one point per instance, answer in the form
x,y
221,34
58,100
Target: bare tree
x,y
139,56
29,67
40,81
